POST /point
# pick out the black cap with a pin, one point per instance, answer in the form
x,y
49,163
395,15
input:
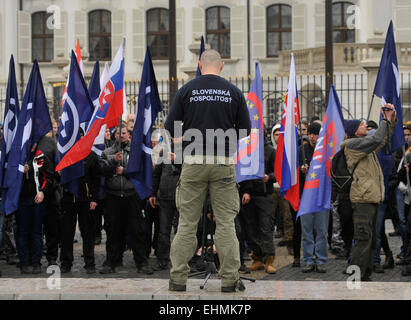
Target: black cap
x,y
314,128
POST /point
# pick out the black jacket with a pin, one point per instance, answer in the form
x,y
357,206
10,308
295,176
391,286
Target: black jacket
x,y
257,187
49,148
117,185
165,178
89,184
308,153
43,171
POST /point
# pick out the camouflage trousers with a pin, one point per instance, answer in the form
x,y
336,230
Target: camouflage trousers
x,y
284,205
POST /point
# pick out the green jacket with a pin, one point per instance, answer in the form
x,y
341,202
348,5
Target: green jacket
x,y
368,181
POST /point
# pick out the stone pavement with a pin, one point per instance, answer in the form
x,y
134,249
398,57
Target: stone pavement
x,y
126,283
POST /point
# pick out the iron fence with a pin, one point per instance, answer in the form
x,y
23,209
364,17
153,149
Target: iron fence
x,y
352,90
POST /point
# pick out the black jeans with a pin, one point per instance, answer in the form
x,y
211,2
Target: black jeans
x,y
296,234
125,214
52,226
407,246
86,222
153,219
167,212
258,216
98,217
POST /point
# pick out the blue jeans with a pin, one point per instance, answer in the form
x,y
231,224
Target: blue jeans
x,y
29,240
319,247
401,215
380,220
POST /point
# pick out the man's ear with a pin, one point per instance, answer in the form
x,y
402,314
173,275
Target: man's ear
x,y
200,65
222,66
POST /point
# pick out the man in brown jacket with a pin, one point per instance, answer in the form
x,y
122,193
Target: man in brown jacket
x,y
367,188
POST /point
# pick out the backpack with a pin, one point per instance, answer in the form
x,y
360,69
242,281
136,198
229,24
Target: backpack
x,y
341,178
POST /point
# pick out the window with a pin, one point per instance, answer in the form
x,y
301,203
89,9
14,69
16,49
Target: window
x,y
218,30
99,27
341,33
157,33
278,29
42,37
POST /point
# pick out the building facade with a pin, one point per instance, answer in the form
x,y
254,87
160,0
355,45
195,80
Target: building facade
x,y
243,31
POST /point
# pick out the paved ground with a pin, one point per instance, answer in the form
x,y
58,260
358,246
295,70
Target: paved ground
x,y
287,283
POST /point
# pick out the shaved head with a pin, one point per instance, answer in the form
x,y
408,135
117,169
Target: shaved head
x,y
210,62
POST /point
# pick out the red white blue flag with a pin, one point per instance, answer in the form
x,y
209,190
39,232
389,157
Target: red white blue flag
x,y
109,112
249,159
286,159
316,196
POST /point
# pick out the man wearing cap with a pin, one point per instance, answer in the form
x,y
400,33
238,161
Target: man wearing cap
x,y
317,220
367,188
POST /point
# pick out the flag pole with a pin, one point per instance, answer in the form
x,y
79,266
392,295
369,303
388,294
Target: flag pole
x,y
369,110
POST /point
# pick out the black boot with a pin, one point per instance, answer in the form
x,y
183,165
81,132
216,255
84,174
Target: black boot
x,y
389,261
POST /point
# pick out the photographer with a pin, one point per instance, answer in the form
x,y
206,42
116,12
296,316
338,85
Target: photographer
x,y
367,188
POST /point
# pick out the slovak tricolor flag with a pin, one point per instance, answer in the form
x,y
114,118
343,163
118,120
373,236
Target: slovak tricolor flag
x,y
286,159
109,112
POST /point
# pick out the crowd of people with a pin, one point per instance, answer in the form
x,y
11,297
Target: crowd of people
x,y
353,229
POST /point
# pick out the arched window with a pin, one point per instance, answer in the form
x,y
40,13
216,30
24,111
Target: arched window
x,y
218,30
278,29
158,32
99,28
341,33
42,37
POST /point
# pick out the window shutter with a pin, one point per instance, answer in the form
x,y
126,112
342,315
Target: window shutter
x,y
80,28
198,25
259,32
180,33
117,30
139,39
24,37
319,25
60,38
299,26
237,25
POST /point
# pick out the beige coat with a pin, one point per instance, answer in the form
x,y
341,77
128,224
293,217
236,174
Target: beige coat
x,y
368,180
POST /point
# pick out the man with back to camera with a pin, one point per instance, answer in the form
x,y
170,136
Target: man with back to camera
x,y
367,188
208,102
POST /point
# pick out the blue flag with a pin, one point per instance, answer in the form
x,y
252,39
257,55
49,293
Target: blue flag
x,y
11,113
33,123
76,105
94,92
387,87
202,48
139,165
249,159
316,196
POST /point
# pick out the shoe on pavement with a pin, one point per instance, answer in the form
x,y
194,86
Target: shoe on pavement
x,y
406,270
145,268
394,234
320,268
296,263
282,243
377,268
308,268
237,286
107,270
160,265
26,270
12,260
52,262
65,269
176,287
90,269
243,269
36,269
